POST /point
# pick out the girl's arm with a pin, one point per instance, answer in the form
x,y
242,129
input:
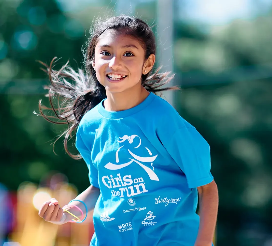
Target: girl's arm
x,y
52,212
89,197
208,207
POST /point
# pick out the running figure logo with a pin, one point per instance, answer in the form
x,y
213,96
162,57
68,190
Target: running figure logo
x,y
135,158
148,221
149,216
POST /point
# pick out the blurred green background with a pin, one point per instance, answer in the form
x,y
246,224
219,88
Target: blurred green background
x,y
222,58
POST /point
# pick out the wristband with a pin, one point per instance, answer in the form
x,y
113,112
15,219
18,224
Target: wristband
x,y
73,220
81,210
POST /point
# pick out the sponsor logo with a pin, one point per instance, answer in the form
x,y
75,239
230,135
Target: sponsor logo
x,y
166,201
125,227
133,209
131,202
105,217
148,221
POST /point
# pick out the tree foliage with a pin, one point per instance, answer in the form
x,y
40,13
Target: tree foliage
x,y
226,84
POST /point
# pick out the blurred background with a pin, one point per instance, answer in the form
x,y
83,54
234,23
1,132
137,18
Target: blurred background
x,y
221,53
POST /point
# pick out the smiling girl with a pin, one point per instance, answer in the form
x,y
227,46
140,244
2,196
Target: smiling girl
x,y
147,165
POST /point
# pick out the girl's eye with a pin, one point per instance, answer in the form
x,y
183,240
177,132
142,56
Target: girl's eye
x,y
105,53
128,54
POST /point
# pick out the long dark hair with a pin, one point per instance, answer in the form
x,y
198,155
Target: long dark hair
x,y
77,91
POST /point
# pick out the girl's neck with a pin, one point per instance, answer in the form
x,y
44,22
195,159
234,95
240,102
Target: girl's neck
x,y
125,100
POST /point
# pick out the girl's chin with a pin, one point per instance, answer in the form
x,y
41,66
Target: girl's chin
x,y
110,89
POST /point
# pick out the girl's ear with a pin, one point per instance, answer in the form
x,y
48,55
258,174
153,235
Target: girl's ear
x,y
149,63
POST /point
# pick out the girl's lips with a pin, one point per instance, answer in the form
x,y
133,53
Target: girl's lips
x,y
115,80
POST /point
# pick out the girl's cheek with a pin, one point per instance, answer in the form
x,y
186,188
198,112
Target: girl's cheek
x,y
101,63
98,77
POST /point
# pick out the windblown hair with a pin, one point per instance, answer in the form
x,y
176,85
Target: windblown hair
x,y
79,91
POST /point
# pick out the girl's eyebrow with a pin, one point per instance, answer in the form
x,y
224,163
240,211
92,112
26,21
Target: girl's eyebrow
x,y
125,46
130,46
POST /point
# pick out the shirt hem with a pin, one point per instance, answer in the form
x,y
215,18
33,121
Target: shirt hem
x,y
94,184
201,182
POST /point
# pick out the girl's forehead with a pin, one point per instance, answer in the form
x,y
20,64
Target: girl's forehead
x,y
113,37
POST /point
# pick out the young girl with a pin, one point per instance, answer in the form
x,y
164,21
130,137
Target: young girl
x,y
147,165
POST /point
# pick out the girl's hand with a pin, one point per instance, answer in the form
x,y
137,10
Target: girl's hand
x,y
52,212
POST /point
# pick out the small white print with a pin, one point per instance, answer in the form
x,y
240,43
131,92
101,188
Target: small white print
x,y
105,217
167,201
133,209
148,221
125,227
131,202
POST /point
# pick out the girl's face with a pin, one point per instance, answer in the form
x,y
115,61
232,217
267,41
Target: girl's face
x,y
119,62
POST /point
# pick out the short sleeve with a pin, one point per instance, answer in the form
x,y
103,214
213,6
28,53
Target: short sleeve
x,y
86,155
192,153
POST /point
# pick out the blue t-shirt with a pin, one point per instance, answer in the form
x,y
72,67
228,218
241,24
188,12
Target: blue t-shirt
x,y
147,162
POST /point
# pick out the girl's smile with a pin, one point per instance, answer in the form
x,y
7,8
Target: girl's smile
x,y
115,77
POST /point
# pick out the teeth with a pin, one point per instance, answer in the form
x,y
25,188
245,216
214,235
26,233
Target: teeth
x,y
116,76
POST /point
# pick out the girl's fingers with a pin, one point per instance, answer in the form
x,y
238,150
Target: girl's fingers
x,y
55,213
52,212
43,209
54,201
48,213
59,215
45,206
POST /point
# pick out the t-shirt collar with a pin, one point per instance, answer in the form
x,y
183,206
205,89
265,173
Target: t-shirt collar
x,y
127,112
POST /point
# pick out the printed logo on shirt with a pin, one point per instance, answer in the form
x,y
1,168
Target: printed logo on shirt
x,y
166,201
134,209
105,217
126,186
125,227
131,202
150,158
148,221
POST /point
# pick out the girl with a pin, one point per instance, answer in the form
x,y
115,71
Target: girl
x,y
147,165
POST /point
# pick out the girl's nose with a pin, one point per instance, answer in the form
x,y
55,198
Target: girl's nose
x,y
114,62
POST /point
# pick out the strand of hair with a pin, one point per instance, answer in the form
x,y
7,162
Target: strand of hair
x,y
47,118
